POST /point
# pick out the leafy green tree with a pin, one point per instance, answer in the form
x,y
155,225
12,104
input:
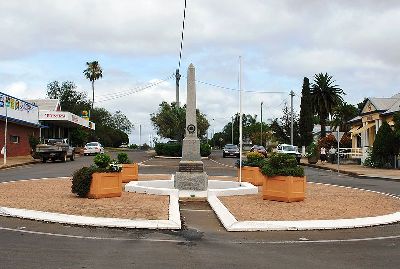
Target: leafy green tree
x,y
170,121
110,129
325,95
93,72
71,99
341,115
282,127
306,115
383,151
79,136
121,122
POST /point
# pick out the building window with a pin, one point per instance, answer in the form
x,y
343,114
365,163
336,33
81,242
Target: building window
x,y
14,139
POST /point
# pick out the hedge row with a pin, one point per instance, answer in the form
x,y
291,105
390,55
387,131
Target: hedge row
x,y
175,149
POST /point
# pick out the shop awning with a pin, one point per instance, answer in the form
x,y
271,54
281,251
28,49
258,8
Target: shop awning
x,y
364,128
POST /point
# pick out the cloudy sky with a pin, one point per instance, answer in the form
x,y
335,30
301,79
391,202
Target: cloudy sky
x,y
137,43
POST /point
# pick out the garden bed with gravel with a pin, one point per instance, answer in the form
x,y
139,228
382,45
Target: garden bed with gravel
x,y
323,202
54,195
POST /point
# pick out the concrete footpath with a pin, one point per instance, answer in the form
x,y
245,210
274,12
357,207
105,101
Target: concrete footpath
x,y
358,170
17,161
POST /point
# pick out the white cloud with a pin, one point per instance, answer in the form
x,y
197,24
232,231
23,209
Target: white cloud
x,y
138,41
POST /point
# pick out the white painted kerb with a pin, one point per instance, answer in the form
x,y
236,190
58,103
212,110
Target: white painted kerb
x,y
173,222
232,224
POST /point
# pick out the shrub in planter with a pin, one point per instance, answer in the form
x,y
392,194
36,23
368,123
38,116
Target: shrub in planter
x,y
312,153
205,150
251,168
254,159
280,164
102,160
123,158
285,180
81,180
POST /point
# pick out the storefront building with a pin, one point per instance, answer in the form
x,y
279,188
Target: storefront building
x,y
58,123
19,120
375,111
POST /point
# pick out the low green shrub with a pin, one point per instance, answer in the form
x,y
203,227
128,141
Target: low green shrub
x,y
81,180
175,149
205,150
169,149
102,160
280,164
254,159
123,158
133,146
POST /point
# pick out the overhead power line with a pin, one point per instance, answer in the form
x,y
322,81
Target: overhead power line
x,y
234,89
121,94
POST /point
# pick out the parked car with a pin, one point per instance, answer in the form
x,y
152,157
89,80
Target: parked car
x,y
289,149
55,149
230,150
93,148
259,149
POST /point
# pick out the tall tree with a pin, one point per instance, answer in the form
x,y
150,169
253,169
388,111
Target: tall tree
x,y
170,121
282,127
93,72
325,95
71,99
306,124
341,115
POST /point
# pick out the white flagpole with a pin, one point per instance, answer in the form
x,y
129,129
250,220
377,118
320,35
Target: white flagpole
x,y
240,121
5,137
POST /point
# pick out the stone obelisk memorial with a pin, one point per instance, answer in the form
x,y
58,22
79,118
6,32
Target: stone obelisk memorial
x,y
191,175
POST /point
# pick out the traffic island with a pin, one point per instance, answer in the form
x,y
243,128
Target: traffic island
x,y
325,207
51,200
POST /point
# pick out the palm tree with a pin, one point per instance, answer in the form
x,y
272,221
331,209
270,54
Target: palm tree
x,y
325,96
93,72
341,115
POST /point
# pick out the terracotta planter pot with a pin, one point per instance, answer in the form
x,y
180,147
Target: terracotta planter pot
x,y
129,172
105,185
284,188
252,175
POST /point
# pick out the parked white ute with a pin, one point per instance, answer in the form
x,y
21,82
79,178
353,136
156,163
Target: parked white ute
x,y
289,149
93,148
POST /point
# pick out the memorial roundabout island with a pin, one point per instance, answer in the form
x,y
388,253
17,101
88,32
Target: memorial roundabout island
x,y
273,193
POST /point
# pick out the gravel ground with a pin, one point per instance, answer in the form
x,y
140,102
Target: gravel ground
x,y
54,195
322,202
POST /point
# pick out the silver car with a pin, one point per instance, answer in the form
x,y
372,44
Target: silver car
x,y
93,148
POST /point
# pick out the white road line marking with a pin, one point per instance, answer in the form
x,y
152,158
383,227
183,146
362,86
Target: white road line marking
x,y
183,241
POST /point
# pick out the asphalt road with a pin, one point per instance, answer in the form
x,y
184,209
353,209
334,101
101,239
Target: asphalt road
x,y
202,243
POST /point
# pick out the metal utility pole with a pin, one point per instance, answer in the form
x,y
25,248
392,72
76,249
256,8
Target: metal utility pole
x,y
291,117
140,135
261,125
232,129
177,78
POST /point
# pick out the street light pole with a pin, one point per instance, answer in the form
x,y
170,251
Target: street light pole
x,y
232,129
291,117
261,134
177,77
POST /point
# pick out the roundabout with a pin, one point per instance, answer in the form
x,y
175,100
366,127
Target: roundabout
x,y
201,231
